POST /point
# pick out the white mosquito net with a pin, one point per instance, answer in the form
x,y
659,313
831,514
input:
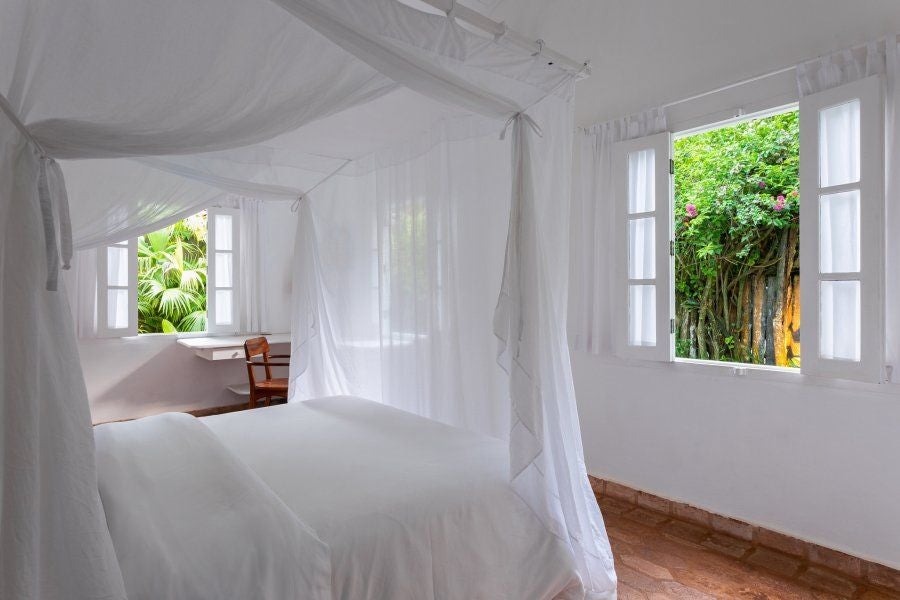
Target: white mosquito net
x,y
423,237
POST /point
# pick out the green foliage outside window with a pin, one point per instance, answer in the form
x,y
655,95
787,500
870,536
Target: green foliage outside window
x,y
172,277
737,208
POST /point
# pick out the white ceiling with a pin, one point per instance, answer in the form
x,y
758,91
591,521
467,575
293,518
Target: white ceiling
x,y
648,52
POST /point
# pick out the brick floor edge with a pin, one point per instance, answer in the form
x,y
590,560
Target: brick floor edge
x,y
801,551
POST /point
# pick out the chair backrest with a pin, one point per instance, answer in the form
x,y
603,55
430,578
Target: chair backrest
x,y
257,347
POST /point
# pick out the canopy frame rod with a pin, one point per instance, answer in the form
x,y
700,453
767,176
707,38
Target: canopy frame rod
x,y
499,29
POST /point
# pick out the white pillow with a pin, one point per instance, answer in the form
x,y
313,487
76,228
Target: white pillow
x,y
190,521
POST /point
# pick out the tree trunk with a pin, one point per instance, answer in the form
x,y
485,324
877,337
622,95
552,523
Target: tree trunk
x,y
791,255
693,337
701,320
768,321
744,320
726,305
759,292
684,324
715,337
778,338
794,322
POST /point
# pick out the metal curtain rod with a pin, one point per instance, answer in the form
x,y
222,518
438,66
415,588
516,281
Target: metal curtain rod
x,y
730,86
498,29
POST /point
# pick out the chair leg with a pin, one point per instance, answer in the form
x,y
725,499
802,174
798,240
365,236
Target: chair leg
x,y
252,402
268,400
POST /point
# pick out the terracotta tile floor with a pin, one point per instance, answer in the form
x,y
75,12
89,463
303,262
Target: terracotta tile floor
x,y
660,558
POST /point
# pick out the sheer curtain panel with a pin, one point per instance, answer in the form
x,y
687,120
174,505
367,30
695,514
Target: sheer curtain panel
x,y
54,543
408,258
593,208
400,304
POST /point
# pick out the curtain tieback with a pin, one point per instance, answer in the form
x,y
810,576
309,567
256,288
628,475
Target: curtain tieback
x,y
451,12
526,119
48,167
47,198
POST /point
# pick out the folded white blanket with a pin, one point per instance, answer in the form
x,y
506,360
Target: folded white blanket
x,y
190,521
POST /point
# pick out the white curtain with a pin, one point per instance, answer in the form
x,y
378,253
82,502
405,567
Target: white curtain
x,y
81,283
399,294
54,543
253,315
875,58
115,200
591,320
546,453
238,73
408,255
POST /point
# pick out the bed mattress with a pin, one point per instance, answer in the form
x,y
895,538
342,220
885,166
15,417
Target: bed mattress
x,y
411,509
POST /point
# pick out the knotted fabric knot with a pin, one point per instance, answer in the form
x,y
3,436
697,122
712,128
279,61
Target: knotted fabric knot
x,y
501,31
524,118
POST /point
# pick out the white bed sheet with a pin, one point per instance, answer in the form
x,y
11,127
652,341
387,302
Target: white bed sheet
x,y
411,509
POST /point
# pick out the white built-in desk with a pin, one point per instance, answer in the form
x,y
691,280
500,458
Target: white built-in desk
x,y
227,347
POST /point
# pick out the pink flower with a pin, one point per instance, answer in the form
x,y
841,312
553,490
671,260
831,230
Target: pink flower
x,y
761,184
779,204
795,193
691,210
780,199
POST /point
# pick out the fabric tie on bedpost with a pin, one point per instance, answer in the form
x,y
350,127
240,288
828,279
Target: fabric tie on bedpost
x,y
52,191
48,169
50,247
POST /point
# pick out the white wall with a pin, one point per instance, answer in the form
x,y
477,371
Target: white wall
x,y
817,462
150,374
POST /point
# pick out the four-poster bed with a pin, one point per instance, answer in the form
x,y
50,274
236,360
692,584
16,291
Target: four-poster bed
x,y
421,237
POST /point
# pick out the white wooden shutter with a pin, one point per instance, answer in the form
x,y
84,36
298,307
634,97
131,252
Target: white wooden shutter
x,y
841,231
223,269
117,289
643,294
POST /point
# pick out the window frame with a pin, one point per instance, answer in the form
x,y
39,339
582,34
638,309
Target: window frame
x,y
103,288
664,347
212,325
212,328
870,366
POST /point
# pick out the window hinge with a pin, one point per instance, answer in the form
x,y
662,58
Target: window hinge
x,y
671,167
671,247
672,325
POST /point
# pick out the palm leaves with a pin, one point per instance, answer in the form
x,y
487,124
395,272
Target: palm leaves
x,y
172,278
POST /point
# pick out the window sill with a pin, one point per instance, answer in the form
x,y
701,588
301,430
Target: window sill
x,y
755,373
737,369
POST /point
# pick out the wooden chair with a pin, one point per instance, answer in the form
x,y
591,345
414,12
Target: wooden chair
x,y
270,386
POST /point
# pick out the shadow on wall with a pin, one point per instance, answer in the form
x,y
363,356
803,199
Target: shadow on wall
x,y
134,377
